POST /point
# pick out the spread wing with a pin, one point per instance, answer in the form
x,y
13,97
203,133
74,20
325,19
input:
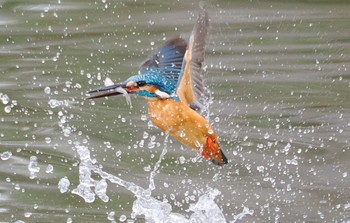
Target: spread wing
x,y
167,59
190,87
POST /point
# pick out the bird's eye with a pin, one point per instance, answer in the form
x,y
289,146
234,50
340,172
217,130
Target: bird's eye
x,y
141,83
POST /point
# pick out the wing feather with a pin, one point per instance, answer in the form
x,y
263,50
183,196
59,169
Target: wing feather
x,y
191,87
167,59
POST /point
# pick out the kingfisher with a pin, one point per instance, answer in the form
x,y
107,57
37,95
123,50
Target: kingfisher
x,y
171,80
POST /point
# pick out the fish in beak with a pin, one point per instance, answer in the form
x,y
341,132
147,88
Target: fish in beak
x,y
114,89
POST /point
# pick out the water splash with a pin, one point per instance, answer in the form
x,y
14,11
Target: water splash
x,y
153,210
33,167
63,185
4,98
144,205
84,189
246,211
206,210
157,164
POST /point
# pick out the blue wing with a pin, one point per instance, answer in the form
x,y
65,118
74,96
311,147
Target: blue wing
x,y
167,59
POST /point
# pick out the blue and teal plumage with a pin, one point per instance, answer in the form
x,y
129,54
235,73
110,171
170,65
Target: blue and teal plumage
x,y
155,77
163,68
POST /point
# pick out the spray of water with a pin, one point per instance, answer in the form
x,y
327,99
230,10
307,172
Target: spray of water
x,y
144,205
153,210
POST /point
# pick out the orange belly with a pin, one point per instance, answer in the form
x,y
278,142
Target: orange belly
x,y
186,126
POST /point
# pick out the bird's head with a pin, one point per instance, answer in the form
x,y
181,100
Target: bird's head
x,y
147,85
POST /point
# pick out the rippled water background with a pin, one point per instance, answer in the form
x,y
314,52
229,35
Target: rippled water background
x,y
280,78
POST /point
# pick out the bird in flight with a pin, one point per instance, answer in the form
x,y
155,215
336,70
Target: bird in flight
x,y
171,79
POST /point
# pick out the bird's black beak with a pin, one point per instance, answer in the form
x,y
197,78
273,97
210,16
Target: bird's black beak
x,y
115,89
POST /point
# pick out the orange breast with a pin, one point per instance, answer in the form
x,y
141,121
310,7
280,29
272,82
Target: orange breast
x,y
182,123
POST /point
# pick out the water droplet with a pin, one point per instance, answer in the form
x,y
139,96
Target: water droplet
x,y
147,168
108,82
118,153
287,148
122,218
27,214
151,144
17,187
216,177
47,140
49,169
4,98
292,162
266,136
110,216
63,184
182,159
217,119
347,206
68,84
6,155
33,167
143,117
66,132
260,169
182,133
53,103
108,144
47,90
7,109
197,144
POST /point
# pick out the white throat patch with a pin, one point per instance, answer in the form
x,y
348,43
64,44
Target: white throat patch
x,y
162,94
